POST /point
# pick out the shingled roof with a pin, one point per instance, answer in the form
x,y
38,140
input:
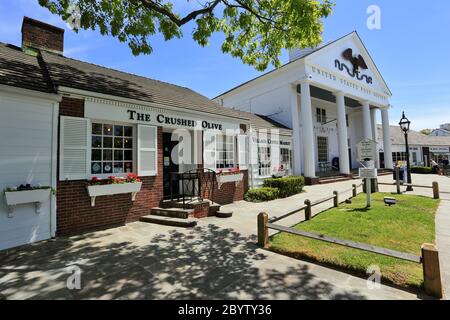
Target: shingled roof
x,y
48,71
415,138
18,69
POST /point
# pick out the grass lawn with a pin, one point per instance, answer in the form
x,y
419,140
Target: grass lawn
x,y
403,227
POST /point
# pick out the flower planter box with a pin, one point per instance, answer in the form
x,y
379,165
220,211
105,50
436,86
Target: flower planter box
x,y
226,178
111,189
37,196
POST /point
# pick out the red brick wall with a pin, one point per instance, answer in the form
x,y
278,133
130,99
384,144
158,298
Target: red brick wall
x,y
74,212
40,35
229,192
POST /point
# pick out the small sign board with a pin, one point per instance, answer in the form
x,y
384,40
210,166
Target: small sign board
x,y
366,150
368,173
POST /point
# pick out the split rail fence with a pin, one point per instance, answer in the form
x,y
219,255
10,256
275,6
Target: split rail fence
x,y
429,258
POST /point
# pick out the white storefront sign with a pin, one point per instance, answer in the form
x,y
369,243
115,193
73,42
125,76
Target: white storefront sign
x,y
102,110
439,149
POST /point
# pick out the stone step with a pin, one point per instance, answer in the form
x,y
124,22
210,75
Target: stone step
x,y
333,179
172,212
168,221
224,214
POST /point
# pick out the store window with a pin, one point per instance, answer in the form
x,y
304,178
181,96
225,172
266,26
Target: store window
x,y
322,148
112,149
285,157
264,161
398,156
321,115
226,152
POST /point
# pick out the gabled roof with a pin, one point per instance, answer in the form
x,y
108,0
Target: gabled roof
x,y
260,122
415,138
312,53
18,69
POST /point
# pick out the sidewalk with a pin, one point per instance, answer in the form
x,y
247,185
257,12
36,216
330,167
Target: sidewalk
x,y
443,243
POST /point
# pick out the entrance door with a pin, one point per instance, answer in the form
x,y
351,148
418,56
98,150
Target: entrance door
x,y
382,164
169,166
350,162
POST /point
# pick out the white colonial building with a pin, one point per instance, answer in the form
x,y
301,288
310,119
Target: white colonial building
x,y
330,97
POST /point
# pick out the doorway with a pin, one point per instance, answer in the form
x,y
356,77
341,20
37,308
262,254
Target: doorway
x,y
169,167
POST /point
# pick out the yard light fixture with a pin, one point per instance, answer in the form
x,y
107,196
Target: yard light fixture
x,y
404,126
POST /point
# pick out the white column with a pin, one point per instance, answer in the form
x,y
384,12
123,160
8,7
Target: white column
x,y
367,126
306,116
344,162
387,145
295,113
373,119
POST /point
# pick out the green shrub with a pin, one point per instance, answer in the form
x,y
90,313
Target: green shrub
x,y
422,170
288,186
262,194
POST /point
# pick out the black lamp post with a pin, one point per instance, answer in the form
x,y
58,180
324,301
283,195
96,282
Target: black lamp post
x,y
404,125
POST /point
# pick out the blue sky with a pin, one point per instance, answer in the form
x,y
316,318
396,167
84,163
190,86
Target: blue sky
x,y
412,50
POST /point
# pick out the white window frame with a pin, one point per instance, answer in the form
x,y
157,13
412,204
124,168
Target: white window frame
x,y
134,149
264,160
233,159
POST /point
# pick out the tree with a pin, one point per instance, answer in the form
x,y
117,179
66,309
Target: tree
x,y
426,132
254,30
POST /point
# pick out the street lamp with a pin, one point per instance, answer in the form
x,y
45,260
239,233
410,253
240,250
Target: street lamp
x,y
404,125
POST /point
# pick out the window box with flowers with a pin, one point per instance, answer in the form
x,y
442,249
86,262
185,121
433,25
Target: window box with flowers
x,y
230,175
26,194
113,185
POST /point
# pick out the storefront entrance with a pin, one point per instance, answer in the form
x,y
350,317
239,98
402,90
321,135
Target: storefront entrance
x,y
169,166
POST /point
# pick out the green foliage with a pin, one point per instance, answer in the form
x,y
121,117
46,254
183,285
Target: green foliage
x,y
403,227
254,31
422,170
262,195
288,186
426,132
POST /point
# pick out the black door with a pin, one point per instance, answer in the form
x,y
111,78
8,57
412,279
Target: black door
x,y
350,158
426,156
169,166
382,164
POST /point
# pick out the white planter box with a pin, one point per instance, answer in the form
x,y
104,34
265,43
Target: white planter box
x,y
111,189
236,178
37,196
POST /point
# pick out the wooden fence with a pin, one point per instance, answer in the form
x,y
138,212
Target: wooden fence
x,y
429,258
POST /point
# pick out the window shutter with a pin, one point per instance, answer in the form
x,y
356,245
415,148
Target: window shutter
x,y
147,151
243,152
209,154
75,143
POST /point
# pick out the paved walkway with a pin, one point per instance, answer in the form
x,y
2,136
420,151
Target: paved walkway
x,y
216,260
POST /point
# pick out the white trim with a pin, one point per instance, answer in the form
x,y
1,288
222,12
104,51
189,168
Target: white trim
x,y
139,103
31,93
54,183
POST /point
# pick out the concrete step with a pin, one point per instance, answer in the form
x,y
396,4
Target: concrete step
x,y
224,214
327,180
172,212
169,221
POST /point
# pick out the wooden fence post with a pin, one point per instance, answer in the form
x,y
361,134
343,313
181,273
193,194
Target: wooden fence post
x,y
436,190
263,230
397,180
336,199
355,190
308,210
431,270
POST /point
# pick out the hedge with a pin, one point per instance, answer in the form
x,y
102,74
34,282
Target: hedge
x,y
422,170
288,186
262,194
